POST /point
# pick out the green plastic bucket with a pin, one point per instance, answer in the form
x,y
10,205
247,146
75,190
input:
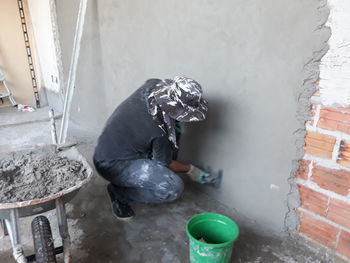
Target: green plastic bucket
x,y
211,238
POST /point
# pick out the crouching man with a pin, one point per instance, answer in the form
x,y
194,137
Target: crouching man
x,y
137,149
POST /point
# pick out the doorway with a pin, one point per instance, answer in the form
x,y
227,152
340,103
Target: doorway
x,y
13,56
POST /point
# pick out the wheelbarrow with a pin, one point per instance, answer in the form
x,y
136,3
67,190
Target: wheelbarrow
x,y
45,252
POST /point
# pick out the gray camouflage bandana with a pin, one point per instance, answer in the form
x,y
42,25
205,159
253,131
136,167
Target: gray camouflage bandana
x,y
178,99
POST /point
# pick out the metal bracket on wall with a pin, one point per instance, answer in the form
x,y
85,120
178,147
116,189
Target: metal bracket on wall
x,y
29,53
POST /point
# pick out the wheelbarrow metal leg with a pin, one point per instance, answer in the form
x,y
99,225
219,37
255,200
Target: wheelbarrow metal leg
x,y
63,228
3,227
13,230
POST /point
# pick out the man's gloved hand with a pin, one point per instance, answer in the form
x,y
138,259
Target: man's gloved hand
x,y
198,175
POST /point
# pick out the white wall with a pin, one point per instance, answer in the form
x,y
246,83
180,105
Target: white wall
x,y
335,66
47,50
41,18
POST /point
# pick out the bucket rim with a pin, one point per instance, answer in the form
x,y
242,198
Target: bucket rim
x,y
229,242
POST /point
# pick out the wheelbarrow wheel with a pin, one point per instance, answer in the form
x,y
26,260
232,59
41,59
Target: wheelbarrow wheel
x,y
43,241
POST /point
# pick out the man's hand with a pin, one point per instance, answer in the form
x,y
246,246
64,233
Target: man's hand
x,y
198,175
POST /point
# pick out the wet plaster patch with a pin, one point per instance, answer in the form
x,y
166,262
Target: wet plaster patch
x,y
30,175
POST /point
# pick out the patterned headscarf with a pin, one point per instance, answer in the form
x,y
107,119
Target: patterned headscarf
x,y
178,99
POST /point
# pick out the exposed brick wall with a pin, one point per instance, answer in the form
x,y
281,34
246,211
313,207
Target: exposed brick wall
x,y
323,178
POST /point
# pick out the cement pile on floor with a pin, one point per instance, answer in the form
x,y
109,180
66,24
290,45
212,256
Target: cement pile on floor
x,y
34,175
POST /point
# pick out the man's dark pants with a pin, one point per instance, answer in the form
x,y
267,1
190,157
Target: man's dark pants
x,y
141,181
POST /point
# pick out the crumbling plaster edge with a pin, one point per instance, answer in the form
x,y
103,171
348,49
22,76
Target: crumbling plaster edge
x,y
311,73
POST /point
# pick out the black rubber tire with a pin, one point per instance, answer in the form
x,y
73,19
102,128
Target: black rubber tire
x,y
43,241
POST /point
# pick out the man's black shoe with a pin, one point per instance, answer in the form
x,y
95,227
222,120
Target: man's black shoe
x,y
120,210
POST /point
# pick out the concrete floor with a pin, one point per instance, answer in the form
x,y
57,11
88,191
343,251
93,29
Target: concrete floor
x,y
156,234
15,117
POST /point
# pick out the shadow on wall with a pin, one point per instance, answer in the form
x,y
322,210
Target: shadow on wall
x,y
200,137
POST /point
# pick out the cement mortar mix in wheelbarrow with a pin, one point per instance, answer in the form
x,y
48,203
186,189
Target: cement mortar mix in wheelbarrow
x,y
36,181
32,176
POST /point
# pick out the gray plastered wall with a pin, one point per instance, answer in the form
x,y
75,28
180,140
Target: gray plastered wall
x,y
250,58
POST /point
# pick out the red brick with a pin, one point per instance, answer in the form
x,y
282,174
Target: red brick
x,y
318,230
321,137
339,212
337,181
334,125
318,152
335,119
344,244
320,145
344,162
303,170
344,154
336,114
313,201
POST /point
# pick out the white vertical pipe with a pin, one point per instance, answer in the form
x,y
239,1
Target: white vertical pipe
x,y
72,71
53,126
